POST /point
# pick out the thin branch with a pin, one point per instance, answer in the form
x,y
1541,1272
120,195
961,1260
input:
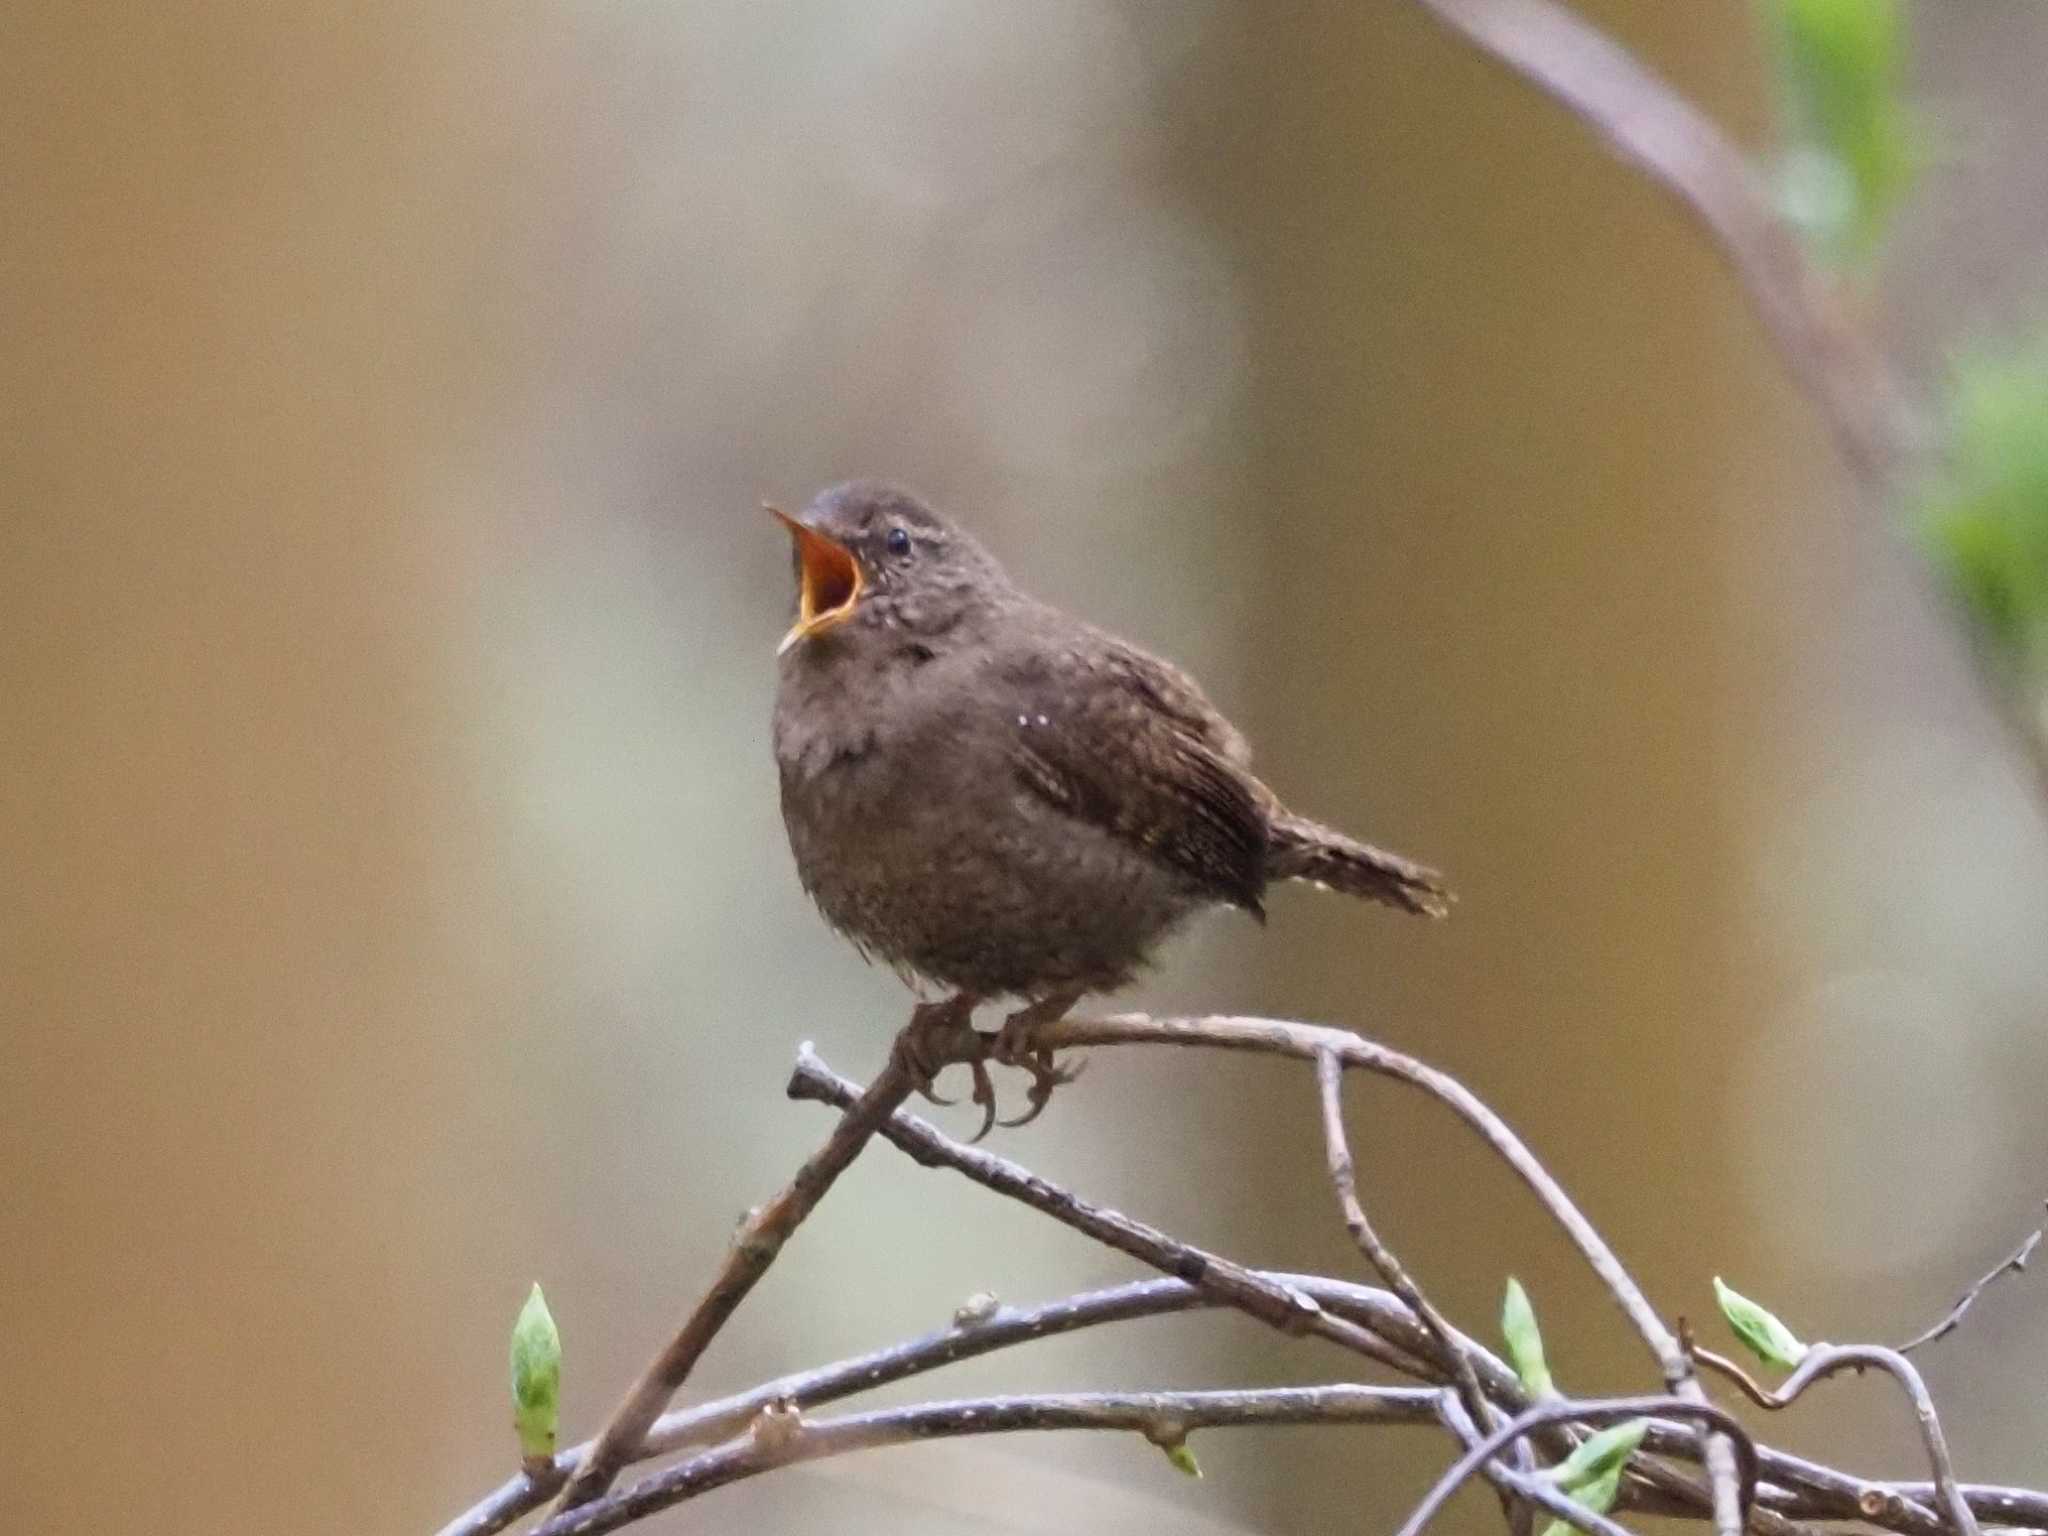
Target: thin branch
x,y
1613,1410
754,1248
2013,1263
783,1438
1825,1360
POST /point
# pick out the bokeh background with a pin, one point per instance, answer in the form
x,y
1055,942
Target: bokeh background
x,y
395,906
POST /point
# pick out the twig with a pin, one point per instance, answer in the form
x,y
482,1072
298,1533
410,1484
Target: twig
x,y
780,1439
1518,1482
1284,1307
2001,1506
1825,1360
2013,1263
1613,1410
1344,1179
754,1248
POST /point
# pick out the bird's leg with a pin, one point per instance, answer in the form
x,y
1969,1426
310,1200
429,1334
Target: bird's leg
x,y
929,1044
1013,1048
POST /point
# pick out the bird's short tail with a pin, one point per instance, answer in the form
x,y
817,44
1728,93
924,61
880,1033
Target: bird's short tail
x,y
1300,849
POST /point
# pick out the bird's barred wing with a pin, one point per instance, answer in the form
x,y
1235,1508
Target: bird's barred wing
x,y
1120,739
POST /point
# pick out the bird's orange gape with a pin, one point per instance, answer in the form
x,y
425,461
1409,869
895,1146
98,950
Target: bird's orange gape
x,y
829,581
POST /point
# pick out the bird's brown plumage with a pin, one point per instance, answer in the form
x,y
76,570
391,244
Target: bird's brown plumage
x,y
989,793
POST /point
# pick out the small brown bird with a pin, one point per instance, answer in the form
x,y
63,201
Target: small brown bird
x,y
998,798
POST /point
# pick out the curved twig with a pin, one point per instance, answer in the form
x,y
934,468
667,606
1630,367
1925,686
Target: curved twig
x,y
1344,1180
1343,1177
1824,1360
1519,1482
1611,1410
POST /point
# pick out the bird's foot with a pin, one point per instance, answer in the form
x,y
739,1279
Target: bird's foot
x,y
1013,1047
931,1042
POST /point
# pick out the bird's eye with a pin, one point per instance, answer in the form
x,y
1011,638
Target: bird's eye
x,y
898,542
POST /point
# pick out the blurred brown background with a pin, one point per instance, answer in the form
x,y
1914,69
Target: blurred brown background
x,y
396,905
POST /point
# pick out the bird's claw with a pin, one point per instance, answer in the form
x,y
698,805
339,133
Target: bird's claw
x,y
935,1040
985,1096
925,1049
1046,1075
1013,1047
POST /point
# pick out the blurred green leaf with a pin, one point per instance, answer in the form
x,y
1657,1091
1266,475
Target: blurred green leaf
x,y
536,1377
1183,1459
1598,1495
1599,1455
1985,519
1853,156
1768,1339
1525,1341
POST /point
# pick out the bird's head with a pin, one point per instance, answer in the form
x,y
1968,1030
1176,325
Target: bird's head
x,y
875,564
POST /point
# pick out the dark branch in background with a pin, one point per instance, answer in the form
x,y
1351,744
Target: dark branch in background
x,y
1866,407
1653,128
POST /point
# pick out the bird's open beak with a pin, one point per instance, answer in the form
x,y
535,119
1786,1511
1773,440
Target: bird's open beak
x,y
829,581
